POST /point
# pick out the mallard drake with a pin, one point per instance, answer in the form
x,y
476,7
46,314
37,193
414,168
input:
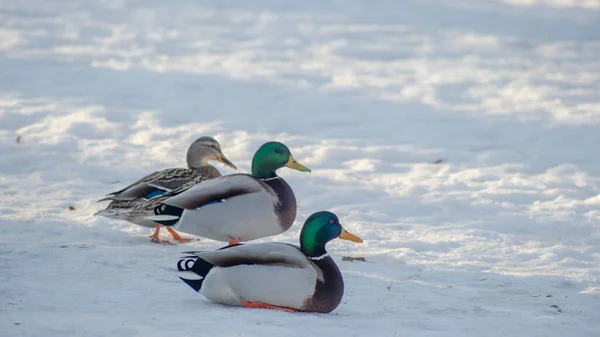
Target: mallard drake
x,y
138,200
237,207
273,275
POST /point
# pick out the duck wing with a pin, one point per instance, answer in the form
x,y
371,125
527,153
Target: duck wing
x,y
216,190
274,273
154,184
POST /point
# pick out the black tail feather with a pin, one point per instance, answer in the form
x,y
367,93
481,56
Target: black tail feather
x,y
201,267
196,265
195,284
163,209
184,263
192,262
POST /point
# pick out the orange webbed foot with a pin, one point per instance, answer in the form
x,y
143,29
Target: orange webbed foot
x,y
261,305
156,239
178,238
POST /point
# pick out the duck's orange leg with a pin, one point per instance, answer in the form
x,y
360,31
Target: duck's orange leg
x,y
261,305
178,238
234,242
154,237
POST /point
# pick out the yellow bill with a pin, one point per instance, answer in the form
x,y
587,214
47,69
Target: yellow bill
x,y
226,161
348,236
293,164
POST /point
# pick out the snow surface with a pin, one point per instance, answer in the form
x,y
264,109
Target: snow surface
x,y
459,139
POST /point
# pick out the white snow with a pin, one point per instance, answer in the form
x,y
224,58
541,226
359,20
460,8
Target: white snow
x,y
369,95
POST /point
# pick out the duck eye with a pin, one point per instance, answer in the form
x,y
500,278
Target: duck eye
x,y
331,221
278,151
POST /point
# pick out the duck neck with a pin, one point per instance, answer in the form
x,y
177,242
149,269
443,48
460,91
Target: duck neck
x,y
313,252
261,171
197,163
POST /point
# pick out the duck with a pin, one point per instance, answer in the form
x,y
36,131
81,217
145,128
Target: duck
x,y
273,275
138,200
237,207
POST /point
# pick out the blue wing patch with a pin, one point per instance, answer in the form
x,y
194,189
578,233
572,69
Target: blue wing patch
x,y
212,202
154,193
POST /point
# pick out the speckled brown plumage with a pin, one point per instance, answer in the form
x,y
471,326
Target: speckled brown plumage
x,y
135,211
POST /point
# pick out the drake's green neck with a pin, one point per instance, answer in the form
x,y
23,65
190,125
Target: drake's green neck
x,y
314,251
311,242
262,170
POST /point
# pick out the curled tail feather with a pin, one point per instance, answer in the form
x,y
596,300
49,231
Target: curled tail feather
x,y
166,215
195,270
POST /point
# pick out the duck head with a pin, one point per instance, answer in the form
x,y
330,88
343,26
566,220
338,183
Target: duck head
x,y
272,156
204,149
318,230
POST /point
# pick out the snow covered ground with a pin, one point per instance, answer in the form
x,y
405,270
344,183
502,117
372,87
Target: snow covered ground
x,y
459,139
